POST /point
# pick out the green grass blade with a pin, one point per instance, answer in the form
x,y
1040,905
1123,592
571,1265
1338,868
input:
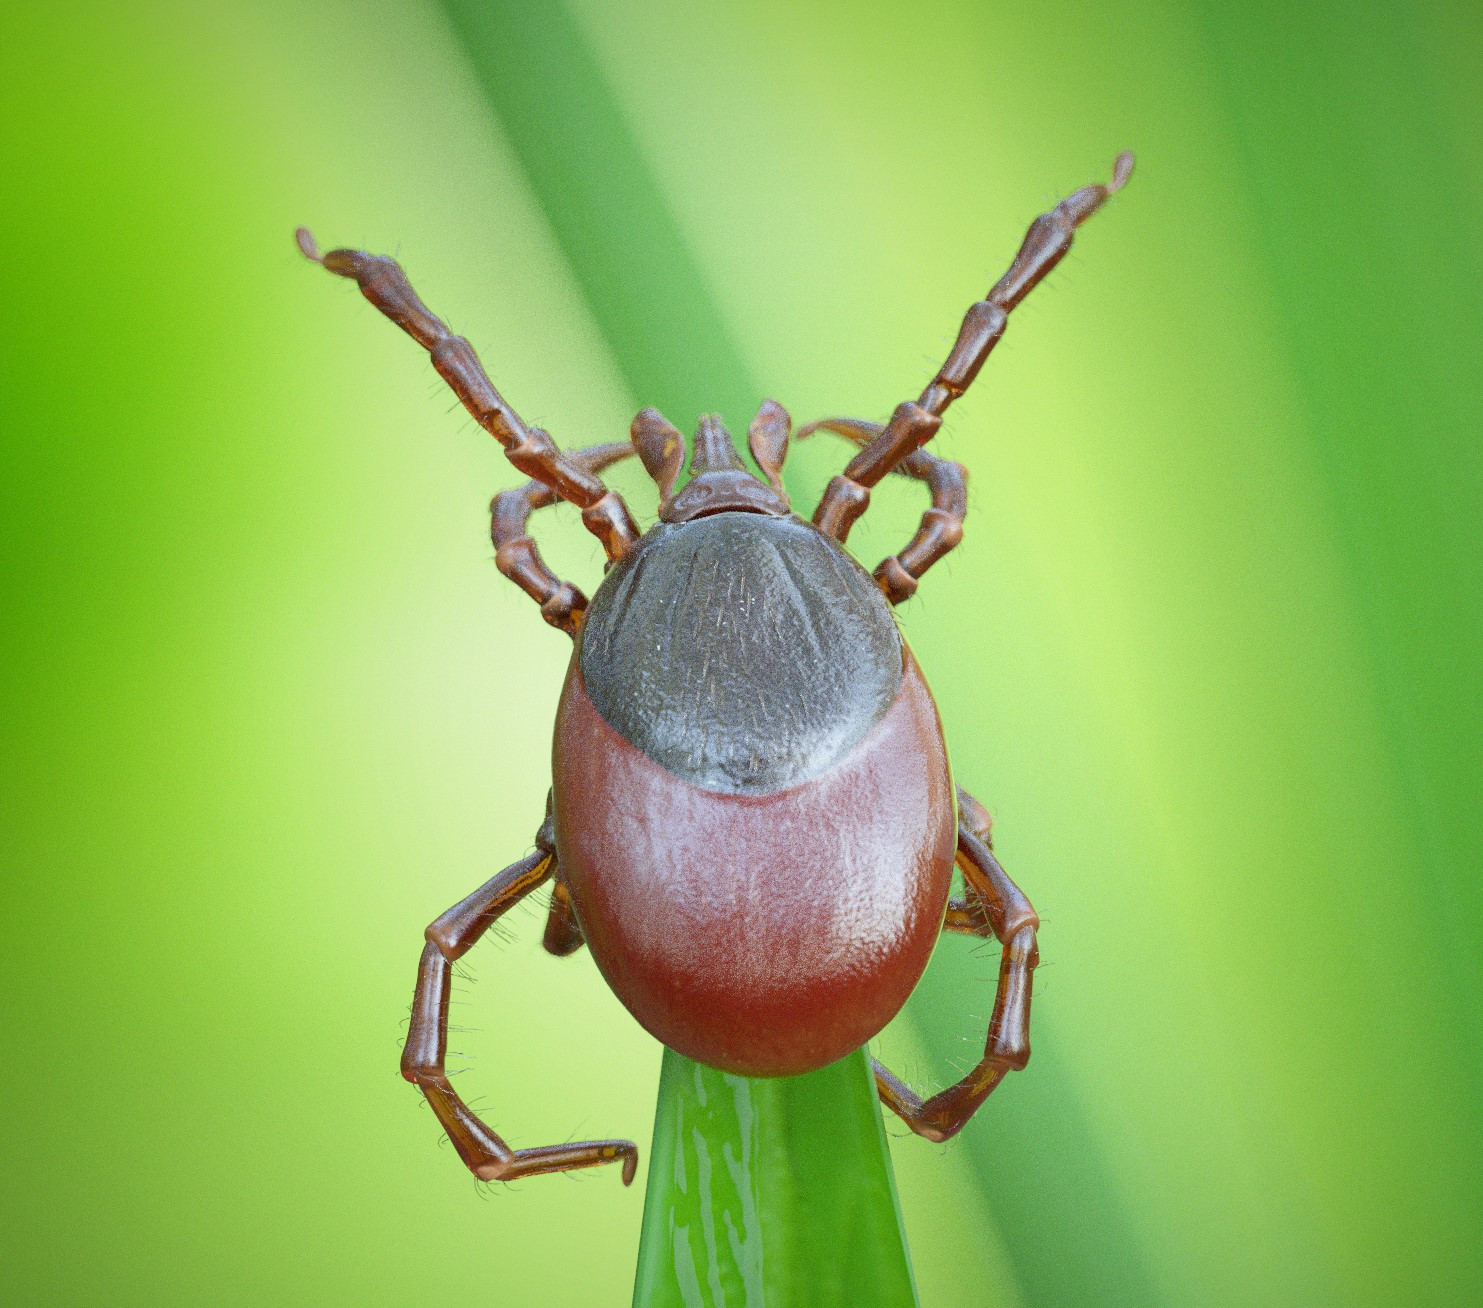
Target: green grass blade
x,y
775,1192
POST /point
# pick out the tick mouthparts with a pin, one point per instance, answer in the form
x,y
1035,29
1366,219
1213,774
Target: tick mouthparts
x,y
308,246
713,450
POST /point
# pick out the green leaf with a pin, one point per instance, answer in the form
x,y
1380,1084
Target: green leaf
x,y
774,1191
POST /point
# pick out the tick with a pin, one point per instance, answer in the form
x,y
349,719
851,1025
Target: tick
x,y
752,823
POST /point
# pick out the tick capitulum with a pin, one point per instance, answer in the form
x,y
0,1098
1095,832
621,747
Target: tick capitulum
x,y
752,822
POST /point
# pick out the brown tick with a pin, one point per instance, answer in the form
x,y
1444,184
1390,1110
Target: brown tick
x,y
752,823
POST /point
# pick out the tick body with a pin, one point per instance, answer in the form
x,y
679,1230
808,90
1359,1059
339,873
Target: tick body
x,y
739,686
752,824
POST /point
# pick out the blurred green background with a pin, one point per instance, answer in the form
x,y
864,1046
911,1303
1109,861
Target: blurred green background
x,y
1211,650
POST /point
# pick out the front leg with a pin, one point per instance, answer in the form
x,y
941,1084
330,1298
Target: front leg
x,y
385,285
516,555
1008,916
423,1060
912,425
941,528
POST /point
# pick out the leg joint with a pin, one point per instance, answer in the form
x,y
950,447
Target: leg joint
x,y
896,583
423,1071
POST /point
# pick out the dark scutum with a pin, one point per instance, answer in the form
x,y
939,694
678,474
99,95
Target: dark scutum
x,y
742,652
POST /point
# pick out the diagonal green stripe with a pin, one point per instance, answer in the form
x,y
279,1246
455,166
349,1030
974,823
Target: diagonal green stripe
x,y
776,1190
1062,1216
644,287
652,303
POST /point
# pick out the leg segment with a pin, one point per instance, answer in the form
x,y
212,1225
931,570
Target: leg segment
x,y
563,934
913,425
516,555
530,449
967,915
423,1059
941,528
1006,915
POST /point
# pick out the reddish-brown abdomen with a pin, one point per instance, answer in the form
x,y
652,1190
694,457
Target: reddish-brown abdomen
x,y
765,934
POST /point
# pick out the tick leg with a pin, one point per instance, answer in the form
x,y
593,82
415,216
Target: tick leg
x,y
997,907
563,934
975,817
530,449
914,424
967,915
424,1058
941,527
516,555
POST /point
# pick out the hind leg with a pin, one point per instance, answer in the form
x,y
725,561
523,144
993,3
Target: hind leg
x,y
994,906
423,1060
563,934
